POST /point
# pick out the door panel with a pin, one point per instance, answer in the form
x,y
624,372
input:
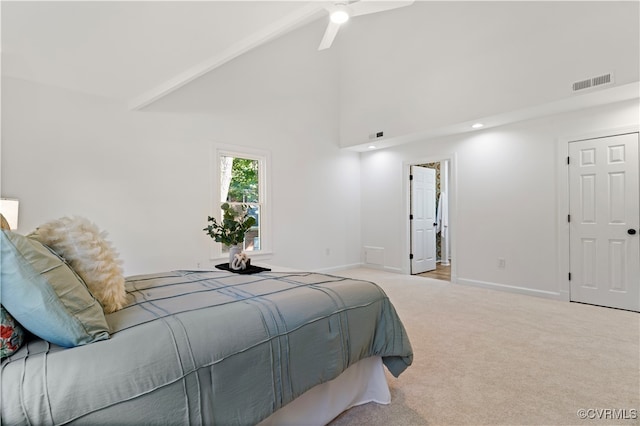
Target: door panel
x,y
618,265
588,204
423,211
589,263
604,205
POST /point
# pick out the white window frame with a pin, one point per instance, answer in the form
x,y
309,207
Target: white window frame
x,y
264,163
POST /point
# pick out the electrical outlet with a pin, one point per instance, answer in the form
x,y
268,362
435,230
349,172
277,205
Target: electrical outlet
x,y
501,262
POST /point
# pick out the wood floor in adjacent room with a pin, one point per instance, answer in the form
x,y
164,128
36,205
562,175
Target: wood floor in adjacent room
x,y
440,273
486,357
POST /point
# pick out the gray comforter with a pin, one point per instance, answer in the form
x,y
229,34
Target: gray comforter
x,y
206,348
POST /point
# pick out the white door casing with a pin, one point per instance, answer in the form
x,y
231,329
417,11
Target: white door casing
x,y
604,206
423,219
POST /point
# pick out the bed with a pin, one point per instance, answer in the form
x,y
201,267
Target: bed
x,y
216,347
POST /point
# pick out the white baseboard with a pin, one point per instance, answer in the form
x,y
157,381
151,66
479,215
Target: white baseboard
x,y
359,265
339,268
381,268
512,289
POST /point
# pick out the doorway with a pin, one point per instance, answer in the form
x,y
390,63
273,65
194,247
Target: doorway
x,y
604,217
441,223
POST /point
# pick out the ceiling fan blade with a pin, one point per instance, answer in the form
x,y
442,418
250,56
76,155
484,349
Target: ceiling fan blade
x,y
329,35
364,7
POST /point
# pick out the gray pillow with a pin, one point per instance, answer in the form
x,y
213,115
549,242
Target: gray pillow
x,y
45,295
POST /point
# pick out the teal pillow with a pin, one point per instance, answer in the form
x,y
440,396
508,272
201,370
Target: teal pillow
x,y
45,295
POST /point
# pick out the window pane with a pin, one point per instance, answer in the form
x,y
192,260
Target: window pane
x,y
240,185
252,237
239,180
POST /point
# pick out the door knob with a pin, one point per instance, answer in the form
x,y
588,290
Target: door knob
x,y
631,231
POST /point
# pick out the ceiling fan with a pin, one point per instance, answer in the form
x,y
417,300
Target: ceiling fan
x,y
340,12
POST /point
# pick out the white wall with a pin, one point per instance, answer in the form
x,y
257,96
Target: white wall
x,y
436,64
145,177
65,153
504,193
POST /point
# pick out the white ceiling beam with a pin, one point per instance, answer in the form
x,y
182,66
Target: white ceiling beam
x,y
302,16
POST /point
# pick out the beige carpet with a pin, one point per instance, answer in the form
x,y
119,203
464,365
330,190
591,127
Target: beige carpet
x,y
484,357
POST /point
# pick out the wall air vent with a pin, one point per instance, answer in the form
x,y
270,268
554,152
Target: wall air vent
x,y
593,82
603,79
579,85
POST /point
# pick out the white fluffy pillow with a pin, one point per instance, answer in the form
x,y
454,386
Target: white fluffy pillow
x,y
85,248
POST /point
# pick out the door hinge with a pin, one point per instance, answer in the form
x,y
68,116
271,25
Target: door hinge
x,y
569,276
410,177
569,218
411,256
410,217
568,160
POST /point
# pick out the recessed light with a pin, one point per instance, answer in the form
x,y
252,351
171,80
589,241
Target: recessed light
x,y
477,125
371,147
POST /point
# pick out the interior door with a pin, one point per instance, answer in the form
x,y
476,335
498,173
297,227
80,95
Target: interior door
x,y
604,219
423,219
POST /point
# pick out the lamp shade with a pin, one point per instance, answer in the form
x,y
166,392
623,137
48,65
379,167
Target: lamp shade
x,y
9,209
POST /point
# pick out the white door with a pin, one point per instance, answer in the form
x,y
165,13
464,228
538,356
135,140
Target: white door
x,y
604,219
423,219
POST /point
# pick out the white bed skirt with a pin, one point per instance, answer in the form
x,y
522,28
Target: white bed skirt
x,y
361,383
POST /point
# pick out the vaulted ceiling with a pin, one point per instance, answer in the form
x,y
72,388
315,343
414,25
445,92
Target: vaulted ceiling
x,y
136,50
431,63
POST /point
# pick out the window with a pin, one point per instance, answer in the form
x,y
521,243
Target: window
x,y
241,180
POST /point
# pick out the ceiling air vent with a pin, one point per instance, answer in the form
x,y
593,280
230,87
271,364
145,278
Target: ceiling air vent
x,y
593,82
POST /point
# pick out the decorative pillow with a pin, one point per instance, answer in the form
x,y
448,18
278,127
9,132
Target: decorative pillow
x,y
45,295
3,223
11,334
87,251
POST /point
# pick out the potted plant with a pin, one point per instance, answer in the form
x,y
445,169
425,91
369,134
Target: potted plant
x,y
231,230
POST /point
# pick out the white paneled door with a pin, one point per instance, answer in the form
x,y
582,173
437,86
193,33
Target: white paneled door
x,y
604,221
423,219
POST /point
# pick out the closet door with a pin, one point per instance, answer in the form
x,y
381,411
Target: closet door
x,y
605,217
